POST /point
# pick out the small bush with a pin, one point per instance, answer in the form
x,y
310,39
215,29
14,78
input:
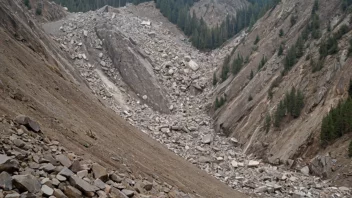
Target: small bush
x,y
281,50
39,9
350,150
281,33
27,4
293,20
267,123
215,80
257,39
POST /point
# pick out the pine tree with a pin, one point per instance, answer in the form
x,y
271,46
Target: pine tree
x,y
27,3
281,50
217,103
350,149
215,80
251,75
257,39
281,33
267,122
350,89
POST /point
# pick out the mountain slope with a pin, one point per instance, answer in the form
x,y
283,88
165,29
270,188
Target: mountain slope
x,y
34,80
215,11
249,101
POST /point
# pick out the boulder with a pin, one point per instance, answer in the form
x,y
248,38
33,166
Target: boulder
x,y
72,192
193,65
135,70
59,194
76,166
5,181
305,170
99,172
114,177
8,164
82,185
64,160
321,166
25,120
234,163
47,190
128,193
26,183
253,163
66,172
207,139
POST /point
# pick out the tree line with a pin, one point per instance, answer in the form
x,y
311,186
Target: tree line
x,y
204,37
87,5
338,121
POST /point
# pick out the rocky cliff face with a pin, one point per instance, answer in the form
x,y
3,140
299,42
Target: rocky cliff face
x,y
244,118
215,11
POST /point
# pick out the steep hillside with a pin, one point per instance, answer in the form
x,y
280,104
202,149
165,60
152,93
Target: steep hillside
x,y
35,80
260,74
214,12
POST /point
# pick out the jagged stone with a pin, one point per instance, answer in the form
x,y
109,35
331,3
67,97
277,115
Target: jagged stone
x,y
8,164
99,172
59,194
64,160
76,166
82,185
65,172
26,183
305,170
253,163
72,192
114,177
5,181
207,139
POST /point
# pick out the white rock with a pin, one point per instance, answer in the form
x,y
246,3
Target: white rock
x,y
207,139
305,170
234,163
47,190
85,33
193,65
253,163
145,97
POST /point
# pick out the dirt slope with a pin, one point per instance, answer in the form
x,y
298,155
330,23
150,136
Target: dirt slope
x,y
296,139
33,82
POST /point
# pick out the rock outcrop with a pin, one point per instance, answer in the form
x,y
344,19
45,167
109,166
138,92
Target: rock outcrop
x,y
134,67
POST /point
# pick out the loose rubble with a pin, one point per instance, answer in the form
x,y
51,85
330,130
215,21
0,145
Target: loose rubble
x,y
185,74
40,167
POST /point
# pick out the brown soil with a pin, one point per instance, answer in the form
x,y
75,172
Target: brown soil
x,y
31,85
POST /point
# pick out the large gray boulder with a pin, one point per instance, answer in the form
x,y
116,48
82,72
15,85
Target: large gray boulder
x,y
26,183
134,67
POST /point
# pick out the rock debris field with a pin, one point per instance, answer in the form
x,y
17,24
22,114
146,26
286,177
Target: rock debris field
x,y
32,165
184,75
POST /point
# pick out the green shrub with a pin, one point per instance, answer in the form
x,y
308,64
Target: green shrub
x,y
281,33
250,98
281,51
350,150
267,122
292,104
215,80
257,39
39,9
237,64
27,4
